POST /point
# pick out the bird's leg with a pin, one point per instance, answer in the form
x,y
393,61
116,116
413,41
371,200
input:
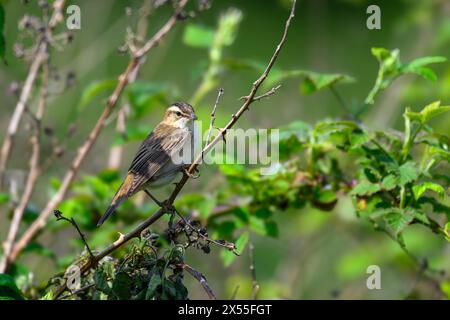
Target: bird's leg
x,y
159,203
190,175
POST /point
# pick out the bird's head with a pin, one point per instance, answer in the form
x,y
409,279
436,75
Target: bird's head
x,y
180,115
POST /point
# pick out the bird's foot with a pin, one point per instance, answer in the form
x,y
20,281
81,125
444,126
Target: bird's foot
x,y
190,175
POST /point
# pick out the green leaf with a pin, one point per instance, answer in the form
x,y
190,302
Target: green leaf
x,y
122,286
227,256
391,67
94,89
153,284
4,197
432,110
399,220
390,182
420,189
206,206
316,81
145,96
198,36
447,231
365,188
417,66
407,173
47,296
101,282
8,288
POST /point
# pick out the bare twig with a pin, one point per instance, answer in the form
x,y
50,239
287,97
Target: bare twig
x,y
201,278
83,151
213,115
264,95
59,216
39,58
179,186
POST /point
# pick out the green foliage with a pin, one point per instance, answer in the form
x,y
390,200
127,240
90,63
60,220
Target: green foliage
x,y
143,274
8,288
311,81
198,36
391,67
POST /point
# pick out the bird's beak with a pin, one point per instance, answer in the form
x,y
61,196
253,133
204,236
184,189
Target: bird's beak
x,y
194,117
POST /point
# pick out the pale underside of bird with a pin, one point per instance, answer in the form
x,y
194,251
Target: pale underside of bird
x,y
160,157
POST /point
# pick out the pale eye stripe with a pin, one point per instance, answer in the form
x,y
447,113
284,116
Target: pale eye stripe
x,y
174,109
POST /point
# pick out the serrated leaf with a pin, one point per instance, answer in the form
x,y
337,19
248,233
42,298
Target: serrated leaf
x,y
420,189
122,286
317,81
101,282
153,284
390,182
407,173
198,36
399,220
365,188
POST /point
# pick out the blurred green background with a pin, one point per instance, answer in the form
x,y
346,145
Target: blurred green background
x,y
316,254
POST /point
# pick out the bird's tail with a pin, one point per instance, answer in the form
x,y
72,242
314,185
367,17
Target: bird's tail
x,y
121,195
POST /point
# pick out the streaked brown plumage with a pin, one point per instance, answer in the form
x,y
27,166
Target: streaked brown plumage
x,y
153,166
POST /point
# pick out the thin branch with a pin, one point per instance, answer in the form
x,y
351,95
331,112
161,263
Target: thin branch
x,y
265,95
255,285
221,243
213,115
179,186
39,58
236,289
341,101
83,151
59,216
78,291
201,278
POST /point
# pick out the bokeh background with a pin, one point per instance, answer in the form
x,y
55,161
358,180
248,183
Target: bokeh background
x,y
316,254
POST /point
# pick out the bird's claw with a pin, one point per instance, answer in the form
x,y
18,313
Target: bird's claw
x,y
190,175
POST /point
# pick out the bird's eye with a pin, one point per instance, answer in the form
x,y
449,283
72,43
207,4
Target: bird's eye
x,y
178,113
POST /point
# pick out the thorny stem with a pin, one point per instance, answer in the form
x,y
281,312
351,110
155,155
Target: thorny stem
x,y
179,186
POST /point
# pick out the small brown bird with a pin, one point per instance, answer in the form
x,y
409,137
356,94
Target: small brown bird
x,y
154,165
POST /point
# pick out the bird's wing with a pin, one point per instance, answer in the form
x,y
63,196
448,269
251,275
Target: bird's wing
x,y
153,154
